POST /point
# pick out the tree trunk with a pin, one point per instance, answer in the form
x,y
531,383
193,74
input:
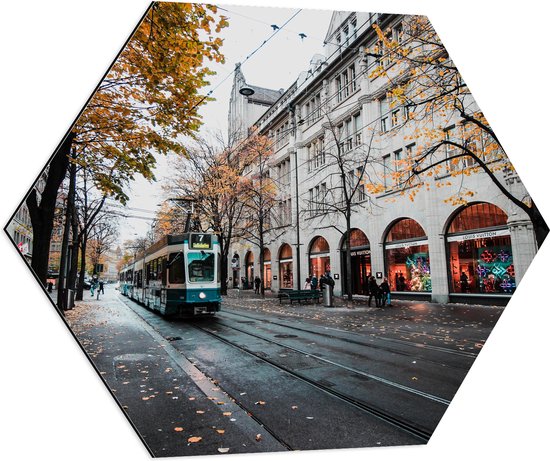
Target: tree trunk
x,y
42,214
80,287
64,264
539,225
224,265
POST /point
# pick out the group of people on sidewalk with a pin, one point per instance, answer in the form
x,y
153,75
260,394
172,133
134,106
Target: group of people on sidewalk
x,y
314,283
380,293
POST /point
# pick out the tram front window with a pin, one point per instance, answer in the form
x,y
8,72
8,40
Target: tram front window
x,y
201,266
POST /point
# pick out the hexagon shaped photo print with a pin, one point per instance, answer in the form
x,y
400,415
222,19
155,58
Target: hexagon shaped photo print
x,y
266,223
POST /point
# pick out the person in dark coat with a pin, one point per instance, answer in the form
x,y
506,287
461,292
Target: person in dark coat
x,y
257,283
314,281
373,291
384,293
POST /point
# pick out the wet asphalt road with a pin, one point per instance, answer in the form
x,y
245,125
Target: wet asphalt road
x,y
261,376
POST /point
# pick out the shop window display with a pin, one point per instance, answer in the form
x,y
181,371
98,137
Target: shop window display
x,y
319,258
285,267
481,259
267,269
407,257
249,271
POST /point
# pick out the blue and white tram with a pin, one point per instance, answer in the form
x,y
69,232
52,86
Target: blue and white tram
x,y
177,276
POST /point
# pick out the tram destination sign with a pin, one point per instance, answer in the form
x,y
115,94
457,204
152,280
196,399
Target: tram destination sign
x,y
200,241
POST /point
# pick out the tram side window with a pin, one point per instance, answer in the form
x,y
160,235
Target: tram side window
x,y
148,273
163,271
140,278
176,268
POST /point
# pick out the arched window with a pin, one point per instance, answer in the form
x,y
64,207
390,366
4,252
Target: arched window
x,y
249,270
267,268
480,251
319,257
286,278
407,257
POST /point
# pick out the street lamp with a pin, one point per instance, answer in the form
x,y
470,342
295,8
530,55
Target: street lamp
x,y
246,91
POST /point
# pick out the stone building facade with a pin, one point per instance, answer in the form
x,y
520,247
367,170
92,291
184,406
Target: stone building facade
x,y
428,248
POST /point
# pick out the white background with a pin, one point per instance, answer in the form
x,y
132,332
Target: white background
x,y
52,402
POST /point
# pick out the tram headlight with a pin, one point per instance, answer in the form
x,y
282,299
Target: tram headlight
x,y
202,295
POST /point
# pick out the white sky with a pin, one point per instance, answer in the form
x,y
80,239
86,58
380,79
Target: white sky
x,y
53,54
276,65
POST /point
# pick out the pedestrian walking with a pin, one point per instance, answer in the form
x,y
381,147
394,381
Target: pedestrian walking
x,y
257,283
373,291
101,286
50,287
385,293
329,281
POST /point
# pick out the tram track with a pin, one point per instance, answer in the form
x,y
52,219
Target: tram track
x,y
421,433
413,344
414,432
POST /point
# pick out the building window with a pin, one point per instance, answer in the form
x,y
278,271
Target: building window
x,y
316,154
346,83
480,251
319,257
267,269
407,257
285,267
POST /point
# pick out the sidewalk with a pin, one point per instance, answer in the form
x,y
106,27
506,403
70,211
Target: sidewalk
x,y
458,325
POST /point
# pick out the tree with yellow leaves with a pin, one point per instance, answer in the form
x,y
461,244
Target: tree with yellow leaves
x,y
211,179
147,101
426,92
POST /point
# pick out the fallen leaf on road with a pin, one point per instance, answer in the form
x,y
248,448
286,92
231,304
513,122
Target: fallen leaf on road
x,y
294,407
178,429
191,398
309,417
194,439
223,450
227,413
260,402
258,437
220,431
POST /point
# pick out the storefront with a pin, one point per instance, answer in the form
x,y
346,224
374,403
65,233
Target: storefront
x,y
248,281
319,257
407,257
286,278
267,269
480,251
360,262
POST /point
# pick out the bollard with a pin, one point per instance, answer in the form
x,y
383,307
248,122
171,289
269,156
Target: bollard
x,y
327,295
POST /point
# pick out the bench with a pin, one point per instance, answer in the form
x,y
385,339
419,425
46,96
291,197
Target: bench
x,y
299,295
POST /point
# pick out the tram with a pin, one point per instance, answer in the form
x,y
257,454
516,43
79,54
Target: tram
x,y
177,276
